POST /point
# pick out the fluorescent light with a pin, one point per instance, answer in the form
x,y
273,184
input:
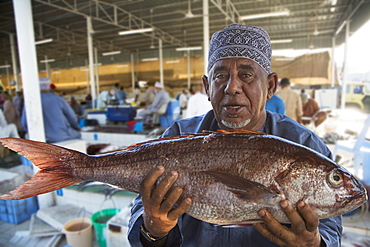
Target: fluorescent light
x,y
149,59
111,53
173,61
4,66
122,65
55,72
277,41
43,41
264,15
47,61
142,30
193,48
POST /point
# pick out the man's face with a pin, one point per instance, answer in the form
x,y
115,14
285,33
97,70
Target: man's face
x,y
238,89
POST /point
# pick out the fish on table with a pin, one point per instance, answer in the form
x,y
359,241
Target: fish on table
x,y
230,175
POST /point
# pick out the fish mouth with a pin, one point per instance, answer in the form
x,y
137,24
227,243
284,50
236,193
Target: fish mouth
x,y
355,200
233,110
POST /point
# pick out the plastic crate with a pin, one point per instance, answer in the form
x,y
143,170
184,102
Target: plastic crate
x,y
121,113
17,211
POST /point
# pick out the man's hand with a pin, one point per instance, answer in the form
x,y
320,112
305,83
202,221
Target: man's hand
x,y
160,216
304,226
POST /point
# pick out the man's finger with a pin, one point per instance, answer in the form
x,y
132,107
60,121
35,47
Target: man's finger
x,y
274,226
148,184
163,187
171,200
180,209
310,217
294,217
268,234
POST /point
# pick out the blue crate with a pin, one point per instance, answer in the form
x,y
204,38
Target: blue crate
x,y
17,211
118,113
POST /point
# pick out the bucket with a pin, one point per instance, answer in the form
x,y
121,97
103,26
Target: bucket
x,y
99,220
78,232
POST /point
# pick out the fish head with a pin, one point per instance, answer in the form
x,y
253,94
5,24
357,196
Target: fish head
x,y
349,192
328,188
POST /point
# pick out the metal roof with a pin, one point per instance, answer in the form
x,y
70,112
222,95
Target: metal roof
x,y
310,24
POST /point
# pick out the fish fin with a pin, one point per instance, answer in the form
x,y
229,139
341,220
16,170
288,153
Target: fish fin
x,y
243,188
163,138
54,161
240,131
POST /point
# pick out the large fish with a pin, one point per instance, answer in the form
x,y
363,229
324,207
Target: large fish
x,y
228,175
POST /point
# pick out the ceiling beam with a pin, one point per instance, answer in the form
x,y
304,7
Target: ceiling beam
x,y
103,12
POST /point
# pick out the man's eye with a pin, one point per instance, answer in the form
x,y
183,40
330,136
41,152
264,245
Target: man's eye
x,y
246,75
220,76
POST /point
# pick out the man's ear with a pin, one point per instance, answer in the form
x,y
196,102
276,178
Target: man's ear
x,y
272,84
206,85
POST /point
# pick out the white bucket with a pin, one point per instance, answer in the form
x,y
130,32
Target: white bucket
x,y
78,232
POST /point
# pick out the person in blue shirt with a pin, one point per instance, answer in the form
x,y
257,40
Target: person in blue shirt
x,y
60,121
238,84
160,100
275,104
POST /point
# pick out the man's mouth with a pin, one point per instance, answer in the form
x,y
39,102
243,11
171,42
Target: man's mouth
x,y
233,110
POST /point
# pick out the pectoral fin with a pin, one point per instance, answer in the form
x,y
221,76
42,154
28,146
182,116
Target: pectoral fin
x,y
245,189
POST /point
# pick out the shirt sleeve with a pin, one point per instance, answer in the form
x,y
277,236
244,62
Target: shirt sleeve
x,y
331,231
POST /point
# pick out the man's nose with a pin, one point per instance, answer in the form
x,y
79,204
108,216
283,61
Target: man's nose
x,y
234,86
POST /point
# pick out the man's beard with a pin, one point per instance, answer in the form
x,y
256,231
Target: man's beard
x,y
235,125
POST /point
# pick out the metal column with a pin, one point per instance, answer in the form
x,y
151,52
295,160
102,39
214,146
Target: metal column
x,y
205,34
91,60
28,62
189,70
160,61
132,71
344,76
14,61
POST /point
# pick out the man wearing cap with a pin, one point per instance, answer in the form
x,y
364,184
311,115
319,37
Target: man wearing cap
x,y
60,121
238,84
161,97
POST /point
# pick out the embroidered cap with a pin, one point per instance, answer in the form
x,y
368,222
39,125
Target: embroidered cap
x,y
237,40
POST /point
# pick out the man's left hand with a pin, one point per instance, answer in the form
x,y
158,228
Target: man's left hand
x,y
304,226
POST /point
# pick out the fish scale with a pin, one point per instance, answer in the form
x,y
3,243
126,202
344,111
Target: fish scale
x,y
230,175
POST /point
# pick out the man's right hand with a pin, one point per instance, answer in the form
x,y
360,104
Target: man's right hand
x,y
160,216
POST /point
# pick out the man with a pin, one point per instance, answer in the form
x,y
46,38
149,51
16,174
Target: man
x,y
104,98
60,121
161,97
292,100
275,104
198,104
238,84
7,129
311,110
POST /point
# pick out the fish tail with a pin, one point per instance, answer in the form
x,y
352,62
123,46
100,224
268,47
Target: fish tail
x,y
54,162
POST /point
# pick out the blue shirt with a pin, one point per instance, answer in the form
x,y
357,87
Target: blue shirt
x,y
60,121
275,104
192,232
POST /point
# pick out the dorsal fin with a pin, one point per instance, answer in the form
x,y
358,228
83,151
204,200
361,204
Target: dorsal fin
x,y
205,132
164,138
241,131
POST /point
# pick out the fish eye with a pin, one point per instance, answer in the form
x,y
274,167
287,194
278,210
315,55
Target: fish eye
x,y
335,179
